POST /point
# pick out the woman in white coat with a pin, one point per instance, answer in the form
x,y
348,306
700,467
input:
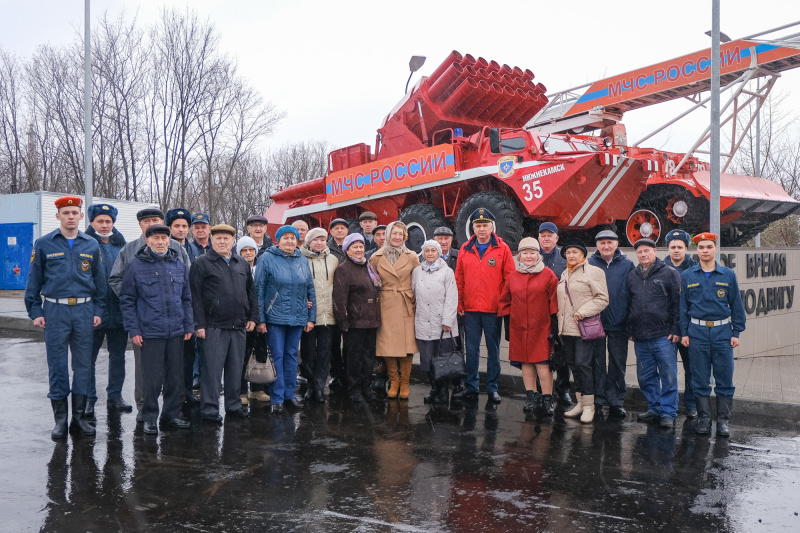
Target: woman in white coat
x,y
435,318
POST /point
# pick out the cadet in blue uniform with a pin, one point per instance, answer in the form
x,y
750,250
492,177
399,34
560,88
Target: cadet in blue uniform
x,y
678,258
711,318
102,218
67,271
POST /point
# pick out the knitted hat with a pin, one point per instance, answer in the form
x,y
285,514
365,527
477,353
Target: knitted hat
x,y
286,229
350,239
245,242
432,243
528,243
314,233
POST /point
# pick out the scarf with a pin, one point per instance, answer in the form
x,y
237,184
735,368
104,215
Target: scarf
x,y
373,274
431,267
535,268
646,271
571,268
391,253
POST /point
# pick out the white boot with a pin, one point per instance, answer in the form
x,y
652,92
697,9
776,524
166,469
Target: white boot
x,y
577,409
588,408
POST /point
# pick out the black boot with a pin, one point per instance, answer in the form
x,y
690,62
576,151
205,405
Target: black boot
x,y
458,386
79,423
723,415
60,408
442,392
431,396
88,413
547,404
703,415
530,401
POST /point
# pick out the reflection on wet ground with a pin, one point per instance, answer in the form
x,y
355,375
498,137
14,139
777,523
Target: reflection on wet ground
x,y
394,467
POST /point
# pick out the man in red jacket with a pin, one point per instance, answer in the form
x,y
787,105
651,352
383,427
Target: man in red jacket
x,y
484,263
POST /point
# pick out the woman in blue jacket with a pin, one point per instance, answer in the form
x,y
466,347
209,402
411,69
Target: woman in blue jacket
x,y
285,288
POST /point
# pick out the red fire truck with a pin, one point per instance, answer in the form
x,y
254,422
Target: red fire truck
x,y
479,134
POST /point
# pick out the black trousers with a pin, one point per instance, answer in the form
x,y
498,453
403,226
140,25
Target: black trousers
x,y
360,346
315,351
189,352
162,369
338,356
580,358
255,343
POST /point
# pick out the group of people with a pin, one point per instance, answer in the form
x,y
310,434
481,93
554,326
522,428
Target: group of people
x,y
357,306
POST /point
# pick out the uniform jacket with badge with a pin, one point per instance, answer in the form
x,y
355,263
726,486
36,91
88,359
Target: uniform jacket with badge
x,y
284,286
356,300
589,292
615,315
479,279
155,299
127,254
57,271
110,251
436,296
653,302
396,335
716,297
223,293
322,266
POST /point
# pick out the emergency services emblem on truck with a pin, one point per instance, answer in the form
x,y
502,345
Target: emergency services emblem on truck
x,y
505,166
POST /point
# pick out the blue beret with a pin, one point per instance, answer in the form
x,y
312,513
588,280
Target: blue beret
x,y
286,229
201,218
481,215
175,214
548,226
102,209
678,234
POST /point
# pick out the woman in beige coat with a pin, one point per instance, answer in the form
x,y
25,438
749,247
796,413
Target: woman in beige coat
x,y
396,342
588,295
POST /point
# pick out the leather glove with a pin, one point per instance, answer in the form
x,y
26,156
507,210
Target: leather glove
x,y
553,327
507,326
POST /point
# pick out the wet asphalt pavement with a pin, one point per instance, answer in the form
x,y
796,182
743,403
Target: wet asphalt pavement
x,y
400,466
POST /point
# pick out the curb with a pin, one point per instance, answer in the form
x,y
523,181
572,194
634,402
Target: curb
x,y
18,324
513,386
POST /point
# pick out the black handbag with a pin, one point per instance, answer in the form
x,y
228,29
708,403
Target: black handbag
x,y
450,364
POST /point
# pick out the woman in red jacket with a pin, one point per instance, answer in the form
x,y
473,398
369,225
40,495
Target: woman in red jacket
x,y
529,297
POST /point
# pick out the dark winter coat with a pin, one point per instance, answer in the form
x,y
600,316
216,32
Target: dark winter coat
x,y
224,294
336,250
155,297
653,303
615,316
127,254
356,300
110,251
284,285
554,261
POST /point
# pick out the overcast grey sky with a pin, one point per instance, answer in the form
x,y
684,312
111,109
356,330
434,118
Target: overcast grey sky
x,y
337,68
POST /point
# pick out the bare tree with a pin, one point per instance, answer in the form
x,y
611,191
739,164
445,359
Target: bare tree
x,y
12,131
779,161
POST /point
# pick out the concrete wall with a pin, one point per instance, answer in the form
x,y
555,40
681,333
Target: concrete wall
x,y
768,277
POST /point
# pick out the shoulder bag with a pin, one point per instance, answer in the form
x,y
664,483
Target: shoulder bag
x,y
591,328
448,364
262,373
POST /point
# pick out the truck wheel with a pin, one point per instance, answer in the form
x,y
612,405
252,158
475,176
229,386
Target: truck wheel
x,y
509,220
421,220
645,223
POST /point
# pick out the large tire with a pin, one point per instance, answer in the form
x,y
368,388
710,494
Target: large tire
x,y
508,223
421,221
